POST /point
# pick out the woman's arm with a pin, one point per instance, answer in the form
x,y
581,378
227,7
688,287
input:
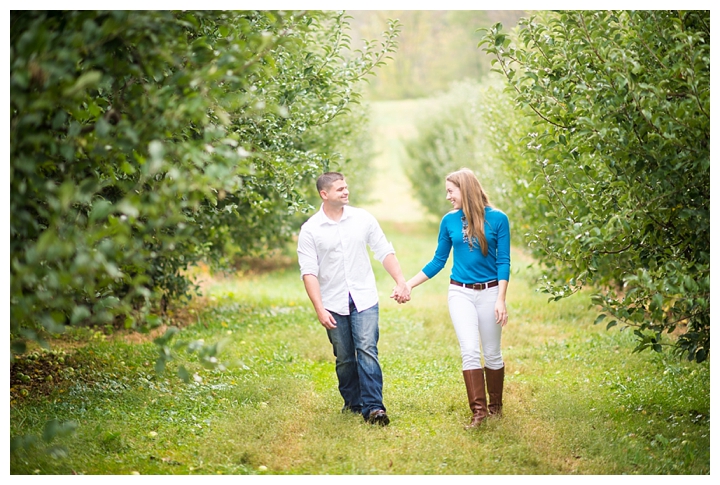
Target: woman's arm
x,y
435,265
501,315
417,280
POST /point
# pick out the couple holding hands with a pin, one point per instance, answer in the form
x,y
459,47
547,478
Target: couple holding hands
x,y
338,278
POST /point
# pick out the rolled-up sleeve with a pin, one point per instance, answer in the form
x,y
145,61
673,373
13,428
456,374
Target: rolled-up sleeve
x,y
377,241
307,254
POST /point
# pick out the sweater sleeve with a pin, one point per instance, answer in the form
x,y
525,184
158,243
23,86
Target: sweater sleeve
x,y
503,249
441,253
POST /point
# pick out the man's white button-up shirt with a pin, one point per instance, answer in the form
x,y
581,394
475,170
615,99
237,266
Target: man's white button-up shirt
x,y
336,253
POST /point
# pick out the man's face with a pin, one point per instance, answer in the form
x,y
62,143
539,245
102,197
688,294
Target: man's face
x,y
337,195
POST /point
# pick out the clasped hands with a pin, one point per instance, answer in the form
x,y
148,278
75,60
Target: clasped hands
x,y
401,293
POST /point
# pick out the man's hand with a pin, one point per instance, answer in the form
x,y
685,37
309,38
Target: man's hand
x,y
313,290
326,319
401,293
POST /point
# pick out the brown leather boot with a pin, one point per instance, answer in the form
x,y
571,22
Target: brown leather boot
x,y
475,385
495,378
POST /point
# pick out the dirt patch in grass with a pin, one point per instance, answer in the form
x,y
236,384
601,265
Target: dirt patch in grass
x,y
38,373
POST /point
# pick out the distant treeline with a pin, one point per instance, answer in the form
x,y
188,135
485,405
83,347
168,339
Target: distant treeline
x,y
436,48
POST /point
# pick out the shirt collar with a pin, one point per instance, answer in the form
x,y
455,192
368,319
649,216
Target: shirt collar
x,y
326,220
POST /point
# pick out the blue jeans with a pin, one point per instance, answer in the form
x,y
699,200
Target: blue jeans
x,y
354,342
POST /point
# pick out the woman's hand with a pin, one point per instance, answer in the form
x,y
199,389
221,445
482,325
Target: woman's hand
x,y
501,314
401,293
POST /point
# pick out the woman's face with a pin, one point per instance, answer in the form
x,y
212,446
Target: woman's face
x,y
453,194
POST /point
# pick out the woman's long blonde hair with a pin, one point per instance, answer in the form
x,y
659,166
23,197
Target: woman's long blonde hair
x,y
474,200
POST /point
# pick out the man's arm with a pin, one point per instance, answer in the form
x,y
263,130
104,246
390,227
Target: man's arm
x,y
401,292
312,287
307,257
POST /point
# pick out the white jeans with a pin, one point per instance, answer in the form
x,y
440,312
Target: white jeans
x,y
473,316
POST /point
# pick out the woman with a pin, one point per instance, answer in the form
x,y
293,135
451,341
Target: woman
x,y
479,236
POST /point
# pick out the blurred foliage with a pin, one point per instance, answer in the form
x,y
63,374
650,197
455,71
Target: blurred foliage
x,y
614,180
437,48
598,149
142,142
449,138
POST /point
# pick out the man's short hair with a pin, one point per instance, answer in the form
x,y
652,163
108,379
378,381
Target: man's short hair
x,y
325,181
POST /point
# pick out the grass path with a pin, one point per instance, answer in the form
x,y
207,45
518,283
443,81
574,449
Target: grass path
x,y
577,401
391,199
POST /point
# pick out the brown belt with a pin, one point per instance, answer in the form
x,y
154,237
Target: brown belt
x,y
475,286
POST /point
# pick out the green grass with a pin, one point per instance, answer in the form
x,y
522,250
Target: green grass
x,y
577,400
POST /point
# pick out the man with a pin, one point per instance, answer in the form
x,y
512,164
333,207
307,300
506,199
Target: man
x,y
338,278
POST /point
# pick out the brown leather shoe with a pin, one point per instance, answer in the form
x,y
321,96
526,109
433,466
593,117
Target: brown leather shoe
x,y
475,386
378,417
495,378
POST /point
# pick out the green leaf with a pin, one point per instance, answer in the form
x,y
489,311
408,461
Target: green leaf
x,y
87,80
80,313
184,374
100,210
160,365
102,127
